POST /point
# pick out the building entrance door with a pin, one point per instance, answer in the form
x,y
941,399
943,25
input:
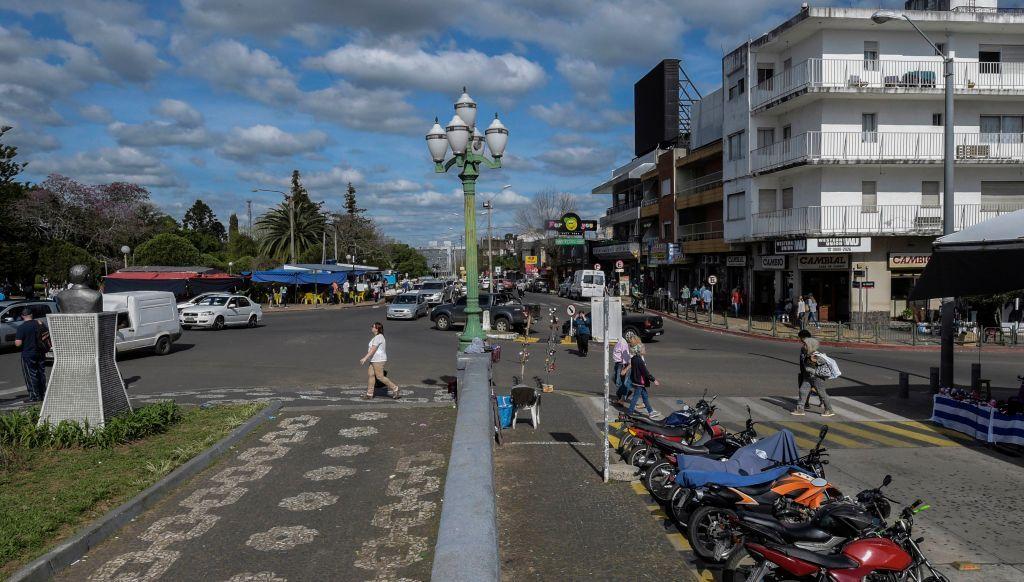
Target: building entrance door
x,y
764,292
831,289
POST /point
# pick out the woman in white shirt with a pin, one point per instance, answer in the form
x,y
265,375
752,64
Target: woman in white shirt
x,y
378,357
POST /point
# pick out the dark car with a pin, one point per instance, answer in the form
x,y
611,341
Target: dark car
x,y
539,286
640,324
506,313
10,316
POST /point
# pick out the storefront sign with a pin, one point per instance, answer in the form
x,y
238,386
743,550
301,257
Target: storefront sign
x,y
569,240
710,259
570,223
908,261
531,264
772,262
735,261
839,244
622,250
798,245
662,253
823,262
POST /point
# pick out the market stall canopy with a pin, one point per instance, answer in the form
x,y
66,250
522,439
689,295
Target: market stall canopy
x,y
297,277
177,280
984,259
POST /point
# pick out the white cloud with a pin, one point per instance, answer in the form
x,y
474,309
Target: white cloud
x,y
180,112
391,186
30,140
105,165
96,114
320,183
578,118
182,126
231,65
446,70
267,140
591,81
584,160
374,110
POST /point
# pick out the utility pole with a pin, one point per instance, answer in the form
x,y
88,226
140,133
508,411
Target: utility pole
x,y
334,224
291,225
490,237
323,246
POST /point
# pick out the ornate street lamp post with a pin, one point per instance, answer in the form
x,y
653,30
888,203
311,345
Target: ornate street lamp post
x,y
467,145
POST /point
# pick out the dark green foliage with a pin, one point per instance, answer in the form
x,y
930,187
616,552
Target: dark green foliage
x,y
350,201
200,218
204,242
19,428
168,250
57,258
406,259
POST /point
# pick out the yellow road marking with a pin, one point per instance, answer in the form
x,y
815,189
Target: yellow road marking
x,y
679,542
941,430
839,440
874,436
942,442
638,488
657,511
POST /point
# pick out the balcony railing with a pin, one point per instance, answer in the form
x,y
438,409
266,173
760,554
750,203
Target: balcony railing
x,y
898,219
854,74
702,184
700,231
620,207
885,147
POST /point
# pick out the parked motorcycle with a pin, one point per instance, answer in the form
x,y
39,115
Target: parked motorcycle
x,y
691,426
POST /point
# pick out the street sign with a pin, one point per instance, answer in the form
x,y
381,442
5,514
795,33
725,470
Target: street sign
x,y
619,264
569,241
620,270
863,284
712,280
570,310
597,266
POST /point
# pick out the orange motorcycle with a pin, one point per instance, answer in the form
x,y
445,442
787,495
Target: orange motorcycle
x,y
788,491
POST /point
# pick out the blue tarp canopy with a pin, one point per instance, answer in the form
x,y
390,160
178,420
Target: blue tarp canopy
x,y
276,276
295,277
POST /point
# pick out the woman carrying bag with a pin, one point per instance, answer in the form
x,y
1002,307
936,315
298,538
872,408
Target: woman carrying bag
x,y
641,378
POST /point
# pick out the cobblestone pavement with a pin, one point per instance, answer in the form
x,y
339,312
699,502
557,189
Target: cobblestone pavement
x,y
325,493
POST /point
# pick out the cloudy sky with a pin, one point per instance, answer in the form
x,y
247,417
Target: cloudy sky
x,y
211,98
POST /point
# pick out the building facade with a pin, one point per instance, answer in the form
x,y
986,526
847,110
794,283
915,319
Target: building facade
x,y
832,144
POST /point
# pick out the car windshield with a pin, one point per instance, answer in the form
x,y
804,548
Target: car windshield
x,y
406,299
433,286
213,301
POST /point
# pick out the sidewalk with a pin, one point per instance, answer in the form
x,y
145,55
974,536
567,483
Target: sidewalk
x,y
558,521
322,493
320,307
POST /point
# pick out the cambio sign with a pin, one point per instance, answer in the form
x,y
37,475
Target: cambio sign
x,y
823,262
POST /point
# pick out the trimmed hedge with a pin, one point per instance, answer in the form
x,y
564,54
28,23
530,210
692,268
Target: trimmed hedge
x,y
19,429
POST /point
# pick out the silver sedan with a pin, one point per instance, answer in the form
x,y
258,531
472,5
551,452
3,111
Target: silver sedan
x,y
408,306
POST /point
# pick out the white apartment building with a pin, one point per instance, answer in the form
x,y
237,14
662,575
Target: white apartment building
x,y
833,145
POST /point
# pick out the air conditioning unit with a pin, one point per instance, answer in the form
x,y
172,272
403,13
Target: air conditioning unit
x,y
928,222
966,152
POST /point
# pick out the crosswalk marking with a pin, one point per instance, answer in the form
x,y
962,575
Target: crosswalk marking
x,y
768,429
812,430
870,435
15,390
942,442
941,430
867,408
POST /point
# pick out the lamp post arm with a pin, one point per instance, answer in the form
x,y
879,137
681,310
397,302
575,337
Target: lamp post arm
x,y
925,37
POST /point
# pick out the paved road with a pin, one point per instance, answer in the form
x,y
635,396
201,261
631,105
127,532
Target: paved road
x,y
322,493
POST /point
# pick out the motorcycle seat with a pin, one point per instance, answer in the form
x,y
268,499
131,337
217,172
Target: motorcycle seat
x,y
660,429
679,448
755,490
797,532
828,561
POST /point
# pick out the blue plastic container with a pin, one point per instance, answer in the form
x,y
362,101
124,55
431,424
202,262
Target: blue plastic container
x,y
505,411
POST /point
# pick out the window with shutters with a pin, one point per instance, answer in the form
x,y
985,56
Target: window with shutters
x,y
869,196
930,194
735,206
737,146
870,55
766,200
1002,128
869,128
765,136
787,198
1002,196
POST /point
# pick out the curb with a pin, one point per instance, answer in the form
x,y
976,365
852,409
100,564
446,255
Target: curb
x,y
274,310
825,342
45,567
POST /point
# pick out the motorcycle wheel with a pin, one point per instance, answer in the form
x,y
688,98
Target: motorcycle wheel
x,y
739,566
658,481
638,457
678,503
627,444
709,534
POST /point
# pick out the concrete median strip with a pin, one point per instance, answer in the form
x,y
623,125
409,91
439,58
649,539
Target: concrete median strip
x,y
71,550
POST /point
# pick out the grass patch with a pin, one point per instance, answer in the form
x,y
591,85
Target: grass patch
x,y
46,494
21,428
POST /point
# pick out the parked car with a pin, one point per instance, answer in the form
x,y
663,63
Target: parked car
x,y
145,319
640,324
563,288
408,306
10,316
434,291
523,285
586,283
539,286
221,311
506,313
199,298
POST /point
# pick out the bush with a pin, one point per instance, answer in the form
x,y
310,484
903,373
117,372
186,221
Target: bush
x,y
167,250
20,428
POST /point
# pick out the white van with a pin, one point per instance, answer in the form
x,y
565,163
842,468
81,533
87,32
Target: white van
x,y
145,319
587,283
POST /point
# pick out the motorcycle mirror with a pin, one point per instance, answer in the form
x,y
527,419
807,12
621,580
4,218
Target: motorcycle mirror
x,y
748,412
886,480
822,433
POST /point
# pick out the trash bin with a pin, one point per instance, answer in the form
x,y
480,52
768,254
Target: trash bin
x,y
505,411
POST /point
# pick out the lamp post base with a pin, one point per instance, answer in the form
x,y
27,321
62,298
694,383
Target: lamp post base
x,y
473,330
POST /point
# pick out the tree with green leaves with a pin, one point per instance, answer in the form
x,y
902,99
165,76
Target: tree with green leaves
x,y
351,207
57,258
18,242
406,259
232,226
168,250
9,168
298,191
274,228
200,218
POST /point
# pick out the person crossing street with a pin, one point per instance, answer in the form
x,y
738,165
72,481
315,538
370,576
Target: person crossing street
x,y
377,355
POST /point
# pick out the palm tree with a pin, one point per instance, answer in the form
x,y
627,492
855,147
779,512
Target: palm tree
x,y
273,230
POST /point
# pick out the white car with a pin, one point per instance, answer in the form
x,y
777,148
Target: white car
x,y
220,311
198,298
434,292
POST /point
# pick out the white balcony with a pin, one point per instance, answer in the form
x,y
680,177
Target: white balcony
x,y
884,220
910,147
886,76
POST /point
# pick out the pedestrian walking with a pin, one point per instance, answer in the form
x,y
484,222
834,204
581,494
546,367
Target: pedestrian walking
x,y
345,287
377,355
335,291
706,297
818,368
641,378
736,300
284,295
33,355
582,334
812,310
801,312
623,384
684,296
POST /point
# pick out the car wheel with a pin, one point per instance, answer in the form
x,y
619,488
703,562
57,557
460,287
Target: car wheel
x,y
186,327
502,325
218,323
629,334
252,321
163,346
443,322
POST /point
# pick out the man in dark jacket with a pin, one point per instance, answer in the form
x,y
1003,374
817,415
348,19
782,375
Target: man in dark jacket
x,y
32,357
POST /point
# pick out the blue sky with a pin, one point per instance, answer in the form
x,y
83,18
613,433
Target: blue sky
x,y
211,98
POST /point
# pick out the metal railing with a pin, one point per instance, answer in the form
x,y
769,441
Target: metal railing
x,y
701,184
889,219
886,146
854,74
648,202
621,207
711,229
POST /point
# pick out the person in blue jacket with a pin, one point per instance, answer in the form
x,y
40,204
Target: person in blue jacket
x,y
582,333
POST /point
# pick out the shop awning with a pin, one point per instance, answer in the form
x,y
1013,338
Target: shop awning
x,y
981,260
177,282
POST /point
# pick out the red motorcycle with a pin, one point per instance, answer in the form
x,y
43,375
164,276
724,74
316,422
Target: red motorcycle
x,y
889,555
698,428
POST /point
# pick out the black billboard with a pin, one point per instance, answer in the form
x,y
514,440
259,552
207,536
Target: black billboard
x,y
656,107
